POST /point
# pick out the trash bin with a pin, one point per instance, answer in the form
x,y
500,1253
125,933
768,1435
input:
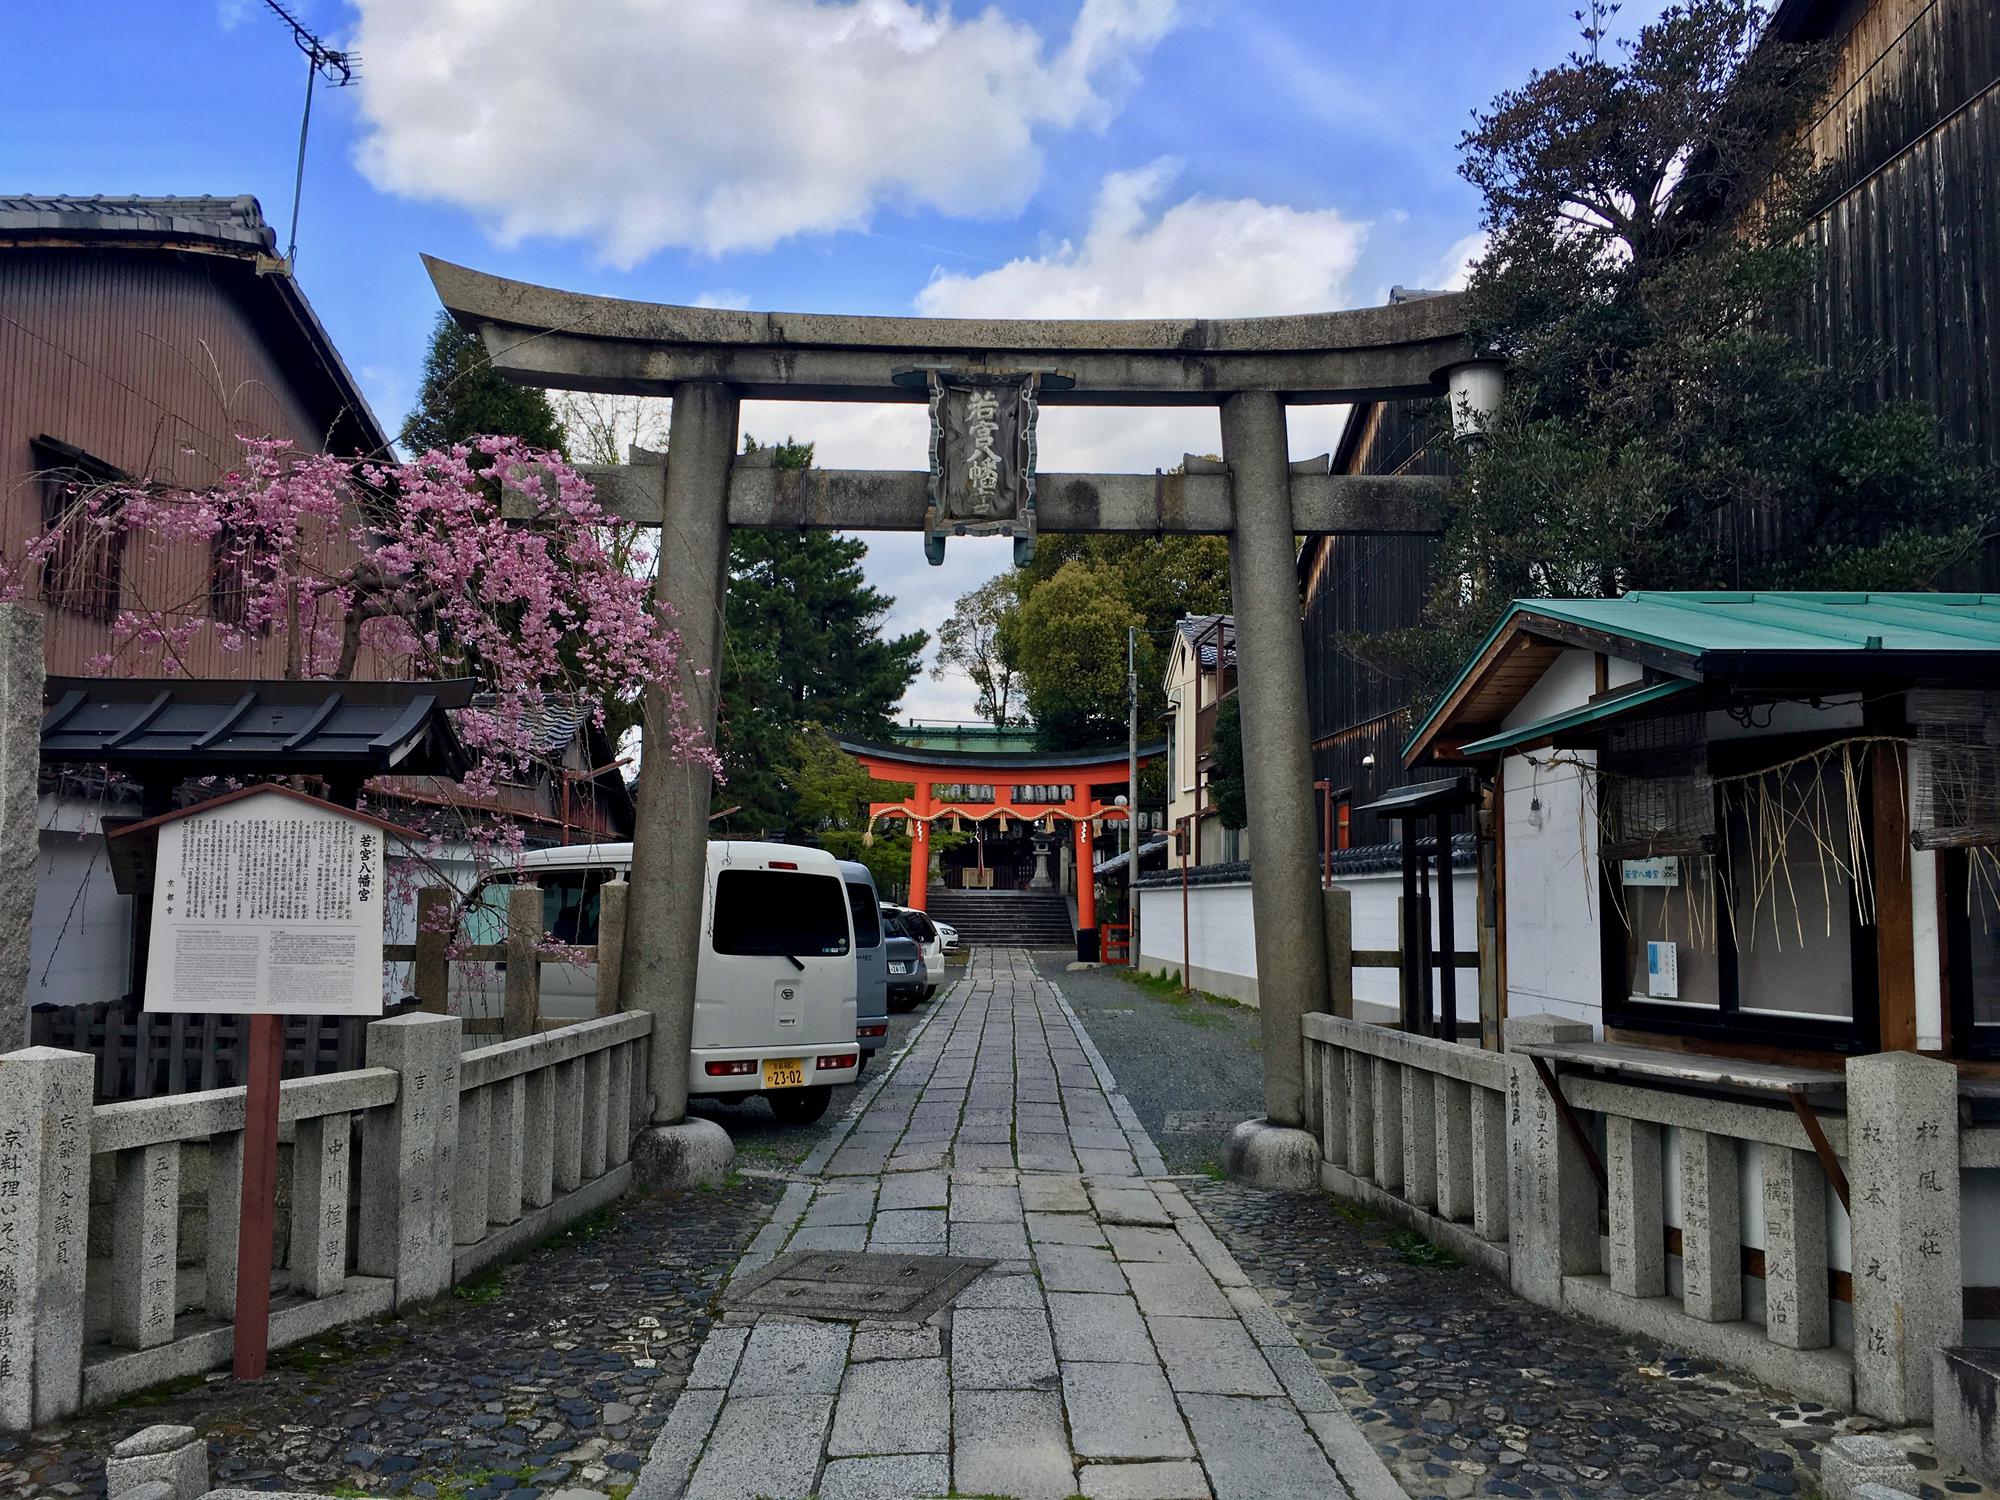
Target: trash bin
x,y
1086,945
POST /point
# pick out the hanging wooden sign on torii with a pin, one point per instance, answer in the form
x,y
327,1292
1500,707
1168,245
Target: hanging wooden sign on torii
x,y
709,360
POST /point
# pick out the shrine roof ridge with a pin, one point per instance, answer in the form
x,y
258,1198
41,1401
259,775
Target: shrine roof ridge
x,y
1000,760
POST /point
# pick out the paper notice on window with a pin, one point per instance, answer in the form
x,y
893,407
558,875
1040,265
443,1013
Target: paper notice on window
x,y
267,905
1663,971
1664,870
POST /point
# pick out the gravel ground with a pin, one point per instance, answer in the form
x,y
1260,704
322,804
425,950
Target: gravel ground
x,y
1467,1390
1191,1068
763,1143
557,1369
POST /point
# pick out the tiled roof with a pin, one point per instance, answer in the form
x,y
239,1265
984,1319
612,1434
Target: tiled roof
x,y
236,221
1204,632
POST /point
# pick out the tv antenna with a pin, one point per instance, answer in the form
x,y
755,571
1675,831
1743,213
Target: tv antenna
x,y
339,69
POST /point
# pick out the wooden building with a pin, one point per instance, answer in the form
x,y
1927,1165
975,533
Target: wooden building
x,y
139,338
1356,586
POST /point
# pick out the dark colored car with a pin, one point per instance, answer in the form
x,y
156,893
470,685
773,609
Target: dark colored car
x,y
906,966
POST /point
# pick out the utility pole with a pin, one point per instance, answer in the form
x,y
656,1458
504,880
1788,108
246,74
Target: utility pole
x,y
1132,796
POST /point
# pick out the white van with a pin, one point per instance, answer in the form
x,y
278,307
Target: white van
x,y
776,984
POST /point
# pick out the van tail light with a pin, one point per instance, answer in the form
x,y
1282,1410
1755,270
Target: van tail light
x,y
782,864
838,1060
863,1032
732,1069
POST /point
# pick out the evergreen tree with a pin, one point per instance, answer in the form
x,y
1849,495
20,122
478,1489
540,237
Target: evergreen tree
x,y
805,648
1662,428
463,398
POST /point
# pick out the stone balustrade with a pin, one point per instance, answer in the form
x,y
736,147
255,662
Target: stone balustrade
x,y
545,1127
1716,1226
118,1222
1416,1128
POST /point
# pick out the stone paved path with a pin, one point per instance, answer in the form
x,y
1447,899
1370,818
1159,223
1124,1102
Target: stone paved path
x,y
1113,1349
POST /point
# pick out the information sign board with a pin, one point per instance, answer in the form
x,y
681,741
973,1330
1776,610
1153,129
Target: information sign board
x,y
267,904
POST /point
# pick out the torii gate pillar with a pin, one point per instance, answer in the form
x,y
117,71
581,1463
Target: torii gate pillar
x,y
670,843
1277,774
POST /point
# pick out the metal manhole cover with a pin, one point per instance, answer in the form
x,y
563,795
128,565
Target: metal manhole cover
x,y
853,1285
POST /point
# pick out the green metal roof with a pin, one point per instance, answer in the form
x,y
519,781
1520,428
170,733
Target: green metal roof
x,y
1697,623
1703,625
1576,718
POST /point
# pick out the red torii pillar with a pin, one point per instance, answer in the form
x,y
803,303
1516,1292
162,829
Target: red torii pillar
x,y
920,847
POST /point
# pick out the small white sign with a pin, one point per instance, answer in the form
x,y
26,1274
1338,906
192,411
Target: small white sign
x,y
1664,870
1663,970
267,904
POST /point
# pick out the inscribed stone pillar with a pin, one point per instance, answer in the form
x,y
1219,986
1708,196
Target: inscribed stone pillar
x,y
409,1151
320,1186
670,843
1711,1227
1286,908
20,765
1902,1138
1795,1287
1552,1197
1490,1164
45,1103
144,1240
1636,1207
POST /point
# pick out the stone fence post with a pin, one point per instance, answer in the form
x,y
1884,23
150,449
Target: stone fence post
x,y
408,1152
1902,1146
20,843
1552,1196
45,1105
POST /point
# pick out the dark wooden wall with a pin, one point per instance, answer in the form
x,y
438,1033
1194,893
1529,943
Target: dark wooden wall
x,y
1909,229
1357,585
152,361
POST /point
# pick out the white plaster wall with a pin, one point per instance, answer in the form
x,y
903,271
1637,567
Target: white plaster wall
x,y
1223,953
79,940
1554,958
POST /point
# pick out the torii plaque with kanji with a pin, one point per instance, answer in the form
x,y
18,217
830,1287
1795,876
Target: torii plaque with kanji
x,y
982,460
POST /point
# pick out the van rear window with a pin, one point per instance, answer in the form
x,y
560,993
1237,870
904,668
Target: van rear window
x,y
773,911
867,921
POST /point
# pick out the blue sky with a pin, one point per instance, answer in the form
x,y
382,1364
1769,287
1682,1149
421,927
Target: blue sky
x,y
1121,157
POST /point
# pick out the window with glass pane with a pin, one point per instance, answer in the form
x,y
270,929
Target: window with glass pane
x,y
570,905
1671,949
867,918
778,912
1793,900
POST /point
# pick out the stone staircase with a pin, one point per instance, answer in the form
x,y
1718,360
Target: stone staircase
x,y
1027,919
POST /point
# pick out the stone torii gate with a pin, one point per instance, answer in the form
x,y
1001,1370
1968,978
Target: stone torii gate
x,y
709,360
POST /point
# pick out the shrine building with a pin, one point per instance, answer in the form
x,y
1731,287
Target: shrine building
x,y
1036,818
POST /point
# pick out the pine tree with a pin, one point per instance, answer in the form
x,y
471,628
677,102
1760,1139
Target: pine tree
x,y
463,398
805,648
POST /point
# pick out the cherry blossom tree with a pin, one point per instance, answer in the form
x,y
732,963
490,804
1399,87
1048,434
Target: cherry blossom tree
x,y
413,565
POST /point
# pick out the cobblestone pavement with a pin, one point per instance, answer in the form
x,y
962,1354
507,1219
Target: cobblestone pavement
x,y
1111,1346
556,1370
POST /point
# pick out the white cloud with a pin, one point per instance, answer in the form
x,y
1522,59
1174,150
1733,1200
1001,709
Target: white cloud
x,y
723,297
727,124
1198,256
1454,268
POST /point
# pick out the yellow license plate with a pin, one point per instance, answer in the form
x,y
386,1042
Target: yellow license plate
x,y
784,1073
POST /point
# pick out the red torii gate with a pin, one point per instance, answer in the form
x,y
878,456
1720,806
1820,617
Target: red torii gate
x,y
1000,774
